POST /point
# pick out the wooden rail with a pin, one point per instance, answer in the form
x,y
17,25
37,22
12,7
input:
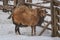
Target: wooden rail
x,y
7,8
46,27
27,3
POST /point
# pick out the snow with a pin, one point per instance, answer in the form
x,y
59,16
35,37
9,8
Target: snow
x,y
35,1
1,3
7,29
11,2
58,0
20,37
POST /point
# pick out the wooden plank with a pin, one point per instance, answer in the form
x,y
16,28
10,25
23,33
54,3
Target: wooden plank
x,y
58,18
56,3
30,2
15,2
27,3
1,0
21,2
46,0
43,2
48,14
52,17
44,29
1,7
5,4
54,26
7,8
18,2
58,10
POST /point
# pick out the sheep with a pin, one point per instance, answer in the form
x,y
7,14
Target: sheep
x,y
23,15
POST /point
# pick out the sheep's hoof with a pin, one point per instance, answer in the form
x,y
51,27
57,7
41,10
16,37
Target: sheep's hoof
x,y
32,34
18,34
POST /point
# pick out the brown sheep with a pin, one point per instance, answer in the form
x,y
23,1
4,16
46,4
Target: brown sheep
x,y
27,16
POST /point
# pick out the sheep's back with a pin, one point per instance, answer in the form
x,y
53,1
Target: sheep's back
x,y
25,16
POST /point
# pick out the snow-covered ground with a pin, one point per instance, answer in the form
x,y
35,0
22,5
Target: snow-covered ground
x,y
7,31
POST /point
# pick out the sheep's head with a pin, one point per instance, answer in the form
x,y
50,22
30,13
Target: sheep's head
x,y
41,12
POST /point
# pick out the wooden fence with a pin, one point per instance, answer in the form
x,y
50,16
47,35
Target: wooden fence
x,y
55,19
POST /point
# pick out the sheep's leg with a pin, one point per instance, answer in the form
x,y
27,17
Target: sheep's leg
x,y
34,30
17,29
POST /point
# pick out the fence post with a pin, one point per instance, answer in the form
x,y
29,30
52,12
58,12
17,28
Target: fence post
x,y
15,2
30,2
59,20
58,13
21,2
5,5
18,2
54,20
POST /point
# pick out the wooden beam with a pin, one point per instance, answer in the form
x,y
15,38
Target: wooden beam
x,y
27,3
7,8
56,3
48,14
58,15
1,7
5,4
44,29
21,2
15,2
44,2
54,20
30,2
